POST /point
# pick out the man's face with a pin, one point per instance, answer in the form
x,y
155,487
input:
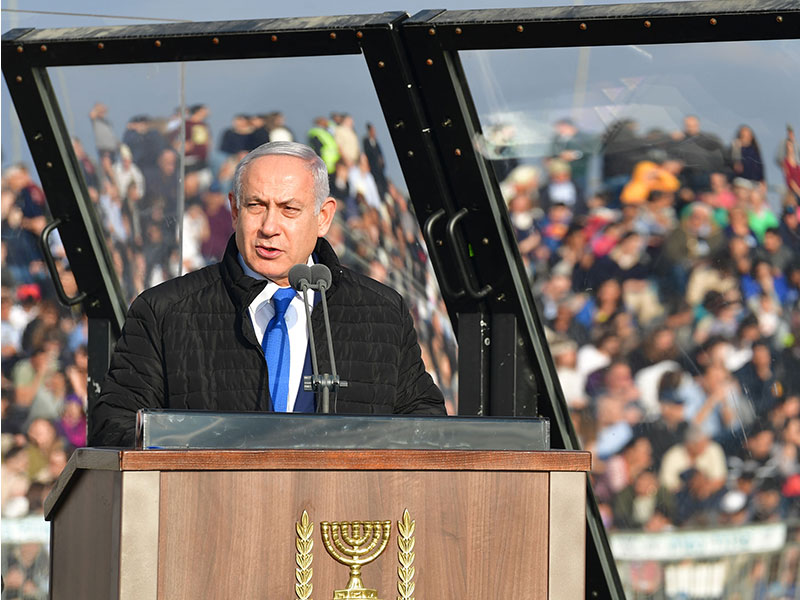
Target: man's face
x,y
276,226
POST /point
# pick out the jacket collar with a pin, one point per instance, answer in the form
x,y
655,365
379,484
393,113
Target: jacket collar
x,y
324,254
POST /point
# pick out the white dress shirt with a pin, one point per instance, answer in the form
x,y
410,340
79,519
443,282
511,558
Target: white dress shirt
x,y
261,312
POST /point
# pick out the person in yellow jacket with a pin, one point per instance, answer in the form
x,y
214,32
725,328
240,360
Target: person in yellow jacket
x,y
324,144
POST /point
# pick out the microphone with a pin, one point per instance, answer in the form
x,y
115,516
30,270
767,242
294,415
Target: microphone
x,y
317,277
320,275
299,276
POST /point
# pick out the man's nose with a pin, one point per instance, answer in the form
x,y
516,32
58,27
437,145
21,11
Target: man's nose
x,y
270,223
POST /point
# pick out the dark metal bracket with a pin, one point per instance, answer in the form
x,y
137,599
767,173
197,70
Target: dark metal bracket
x,y
461,259
44,242
433,252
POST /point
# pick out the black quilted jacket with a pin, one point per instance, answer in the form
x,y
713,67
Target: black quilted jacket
x,y
189,343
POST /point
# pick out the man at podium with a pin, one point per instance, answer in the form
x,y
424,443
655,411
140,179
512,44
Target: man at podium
x,y
234,337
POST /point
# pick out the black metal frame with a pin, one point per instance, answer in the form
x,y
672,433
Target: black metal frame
x,y
504,365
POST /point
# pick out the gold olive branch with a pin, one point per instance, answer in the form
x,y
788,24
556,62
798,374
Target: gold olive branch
x,y
405,556
304,544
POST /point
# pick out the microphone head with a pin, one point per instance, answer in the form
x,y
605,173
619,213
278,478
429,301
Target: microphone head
x,y
320,274
298,275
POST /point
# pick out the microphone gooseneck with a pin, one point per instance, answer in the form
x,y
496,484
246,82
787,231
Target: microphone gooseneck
x,y
321,276
299,278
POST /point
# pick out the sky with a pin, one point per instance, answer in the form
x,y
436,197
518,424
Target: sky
x,y
725,84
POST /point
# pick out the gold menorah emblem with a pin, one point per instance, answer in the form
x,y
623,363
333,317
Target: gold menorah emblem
x,y
355,544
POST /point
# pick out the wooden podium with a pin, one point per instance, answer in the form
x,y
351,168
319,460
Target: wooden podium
x,y
222,524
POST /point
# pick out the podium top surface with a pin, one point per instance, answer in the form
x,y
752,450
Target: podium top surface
x,y
109,459
197,429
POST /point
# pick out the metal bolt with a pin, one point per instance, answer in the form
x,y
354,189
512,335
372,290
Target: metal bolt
x,y
78,249
439,243
215,41
458,30
779,19
359,34
333,35
94,303
431,31
273,38
38,137
19,78
520,29
43,48
647,24
20,49
501,297
399,125
381,64
487,342
583,27
429,62
158,43
447,122
458,151
713,21
100,45
49,165
410,154
485,241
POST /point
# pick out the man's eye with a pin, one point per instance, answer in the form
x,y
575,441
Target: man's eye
x,y
255,207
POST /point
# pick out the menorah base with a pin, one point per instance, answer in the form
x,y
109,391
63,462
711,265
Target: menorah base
x,y
364,594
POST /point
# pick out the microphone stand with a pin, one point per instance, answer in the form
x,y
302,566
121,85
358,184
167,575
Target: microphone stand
x,y
326,385
329,384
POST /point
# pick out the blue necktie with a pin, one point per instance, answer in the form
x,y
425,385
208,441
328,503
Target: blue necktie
x,y
276,350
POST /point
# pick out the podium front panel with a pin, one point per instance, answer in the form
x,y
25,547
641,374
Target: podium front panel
x,y
222,524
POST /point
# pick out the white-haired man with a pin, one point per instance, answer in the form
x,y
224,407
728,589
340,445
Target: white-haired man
x,y
207,340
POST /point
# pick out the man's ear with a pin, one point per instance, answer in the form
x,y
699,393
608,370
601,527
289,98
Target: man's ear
x,y
325,217
234,208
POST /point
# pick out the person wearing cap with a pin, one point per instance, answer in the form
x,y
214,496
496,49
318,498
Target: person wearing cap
x,y
218,338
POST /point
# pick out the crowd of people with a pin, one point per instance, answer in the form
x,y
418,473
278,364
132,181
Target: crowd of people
x,y
671,298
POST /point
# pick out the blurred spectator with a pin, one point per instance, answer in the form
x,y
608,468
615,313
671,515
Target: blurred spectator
x,y
105,140
375,159
198,139
347,140
574,147
746,155
789,161
621,149
324,144
144,141
698,454
237,138
275,124
361,181
701,152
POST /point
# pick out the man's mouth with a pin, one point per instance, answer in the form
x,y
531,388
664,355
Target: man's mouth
x,y
268,251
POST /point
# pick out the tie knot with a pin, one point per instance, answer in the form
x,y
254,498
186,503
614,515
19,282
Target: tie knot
x,y
281,300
